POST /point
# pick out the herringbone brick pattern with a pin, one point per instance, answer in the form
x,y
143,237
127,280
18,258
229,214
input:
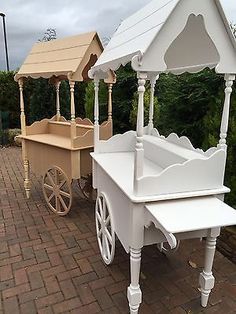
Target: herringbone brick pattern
x,y
51,264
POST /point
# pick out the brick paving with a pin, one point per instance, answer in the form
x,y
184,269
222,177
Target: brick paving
x,y
51,264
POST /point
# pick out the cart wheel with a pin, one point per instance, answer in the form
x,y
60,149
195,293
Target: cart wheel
x,y
161,247
105,229
57,191
86,188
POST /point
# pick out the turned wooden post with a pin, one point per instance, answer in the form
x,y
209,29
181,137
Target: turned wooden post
x,y
139,151
110,102
23,131
72,109
58,112
207,280
225,116
22,107
96,115
151,108
134,293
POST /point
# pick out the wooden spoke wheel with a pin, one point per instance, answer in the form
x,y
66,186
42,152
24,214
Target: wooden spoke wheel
x,y
57,191
105,229
86,187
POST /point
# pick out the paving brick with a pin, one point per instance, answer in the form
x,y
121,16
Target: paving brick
x,y
51,264
36,280
41,256
51,284
11,305
49,300
68,289
72,304
6,272
15,250
53,271
103,298
85,278
32,295
28,308
15,290
85,294
69,262
88,309
84,265
55,259
100,283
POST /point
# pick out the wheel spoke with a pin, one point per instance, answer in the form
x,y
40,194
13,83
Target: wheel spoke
x,y
64,194
51,197
58,206
99,233
99,217
107,220
100,207
61,184
108,236
50,178
108,255
62,202
49,187
104,207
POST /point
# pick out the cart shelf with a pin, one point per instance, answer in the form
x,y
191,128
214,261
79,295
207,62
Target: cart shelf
x,y
52,140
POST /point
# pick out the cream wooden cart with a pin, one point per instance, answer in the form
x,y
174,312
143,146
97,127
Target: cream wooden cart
x,y
153,189
56,148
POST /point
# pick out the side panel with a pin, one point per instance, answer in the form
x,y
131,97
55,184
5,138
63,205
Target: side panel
x,y
120,206
41,157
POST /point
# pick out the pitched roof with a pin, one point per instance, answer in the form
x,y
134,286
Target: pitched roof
x,y
62,57
135,35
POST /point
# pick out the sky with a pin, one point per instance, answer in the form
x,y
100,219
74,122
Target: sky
x,y
27,21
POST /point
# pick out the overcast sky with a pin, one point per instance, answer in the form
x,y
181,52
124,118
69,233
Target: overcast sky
x,y
27,20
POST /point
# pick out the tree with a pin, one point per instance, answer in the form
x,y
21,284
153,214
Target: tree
x,y
50,34
134,111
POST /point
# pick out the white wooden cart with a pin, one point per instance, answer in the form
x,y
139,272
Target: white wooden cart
x,y
55,148
153,189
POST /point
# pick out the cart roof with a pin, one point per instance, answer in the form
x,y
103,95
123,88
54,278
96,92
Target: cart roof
x,y
172,36
70,57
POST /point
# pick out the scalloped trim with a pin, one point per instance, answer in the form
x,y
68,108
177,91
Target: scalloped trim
x,y
84,121
184,141
39,122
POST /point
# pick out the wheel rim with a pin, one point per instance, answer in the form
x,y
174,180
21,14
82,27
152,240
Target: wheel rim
x,y
105,229
57,191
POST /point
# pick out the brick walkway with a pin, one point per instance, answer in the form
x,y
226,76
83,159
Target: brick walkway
x,y
51,264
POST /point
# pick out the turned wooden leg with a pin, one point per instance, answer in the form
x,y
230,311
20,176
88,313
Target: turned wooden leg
x,y
27,180
134,293
206,279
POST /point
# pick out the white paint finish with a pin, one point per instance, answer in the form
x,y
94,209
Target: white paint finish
x,y
134,293
216,29
119,143
206,279
120,167
135,34
195,37
105,228
120,206
186,215
207,174
139,149
153,30
229,79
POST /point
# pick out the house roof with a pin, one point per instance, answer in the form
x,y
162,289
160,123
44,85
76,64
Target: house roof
x,y
71,56
143,31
